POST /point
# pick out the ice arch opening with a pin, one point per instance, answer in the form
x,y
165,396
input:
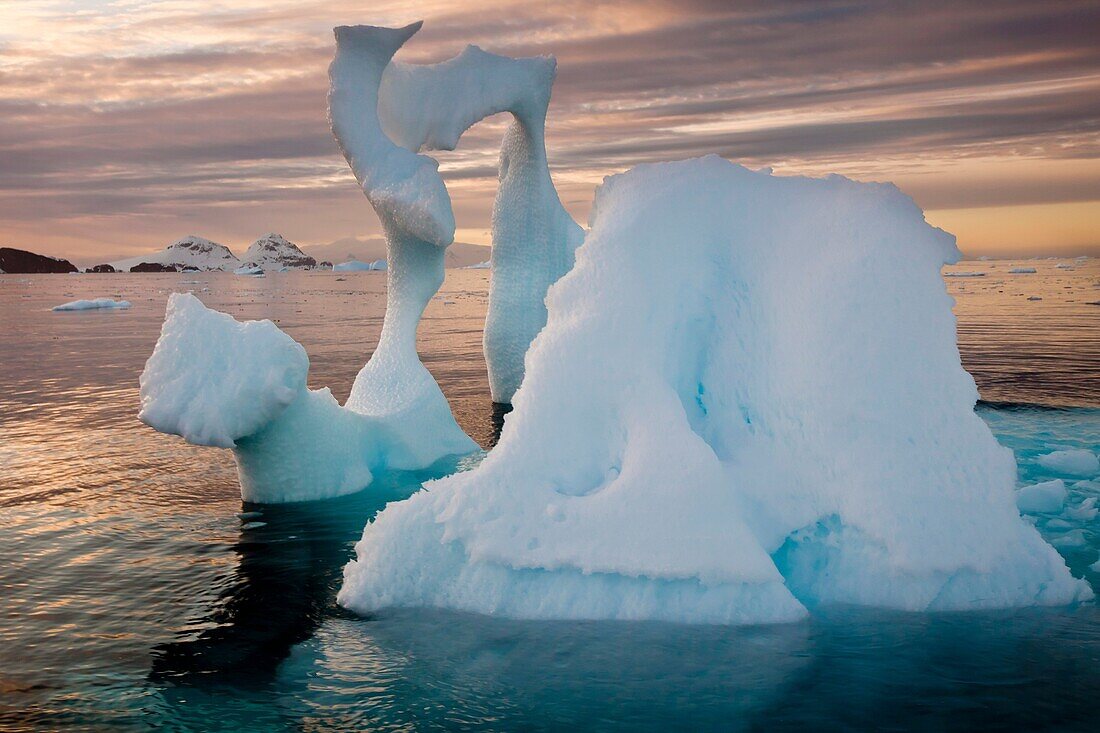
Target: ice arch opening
x,y
385,112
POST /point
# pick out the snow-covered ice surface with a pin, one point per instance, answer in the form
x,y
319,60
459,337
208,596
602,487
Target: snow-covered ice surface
x,y
92,304
218,382
736,440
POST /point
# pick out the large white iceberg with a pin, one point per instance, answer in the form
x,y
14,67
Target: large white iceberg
x,y
215,381
775,418
383,113
396,416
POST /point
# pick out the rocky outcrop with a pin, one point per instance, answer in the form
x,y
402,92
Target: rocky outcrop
x,y
152,267
101,268
19,261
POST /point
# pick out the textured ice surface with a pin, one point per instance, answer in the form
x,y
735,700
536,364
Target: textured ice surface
x,y
1076,462
383,113
93,304
775,418
1042,498
216,381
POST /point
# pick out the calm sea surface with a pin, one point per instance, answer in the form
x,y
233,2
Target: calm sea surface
x,y
132,597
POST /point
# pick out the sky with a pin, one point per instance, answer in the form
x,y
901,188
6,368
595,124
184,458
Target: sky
x,y
127,124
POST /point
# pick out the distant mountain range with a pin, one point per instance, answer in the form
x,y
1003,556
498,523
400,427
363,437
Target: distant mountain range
x,y
189,253
271,252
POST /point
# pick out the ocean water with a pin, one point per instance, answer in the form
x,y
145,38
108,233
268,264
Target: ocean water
x,y
133,596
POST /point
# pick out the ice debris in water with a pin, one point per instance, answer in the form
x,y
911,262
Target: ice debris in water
x,y
1042,498
94,304
729,437
216,381
354,265
1075,462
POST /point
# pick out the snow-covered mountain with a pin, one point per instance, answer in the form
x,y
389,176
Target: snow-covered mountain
x,y
191,252
274,252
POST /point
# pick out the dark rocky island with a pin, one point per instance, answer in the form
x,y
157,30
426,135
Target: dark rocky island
x,y
19,261
152,267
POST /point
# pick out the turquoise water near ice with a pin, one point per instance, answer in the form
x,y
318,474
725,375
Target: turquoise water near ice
x,y
133,596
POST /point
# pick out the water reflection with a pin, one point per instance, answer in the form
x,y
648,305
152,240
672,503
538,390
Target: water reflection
x,y
289,567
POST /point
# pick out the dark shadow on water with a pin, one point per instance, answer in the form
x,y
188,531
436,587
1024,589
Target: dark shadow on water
x,y
288,573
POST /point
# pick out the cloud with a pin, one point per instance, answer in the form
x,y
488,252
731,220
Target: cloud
x,y
115,115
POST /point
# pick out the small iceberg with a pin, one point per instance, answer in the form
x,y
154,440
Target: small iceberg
x,y
1045,498
94,304
964,274
354,265
249,270
1022,271
1078,462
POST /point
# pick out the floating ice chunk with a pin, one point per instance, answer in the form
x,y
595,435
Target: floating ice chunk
x,y
212,380
253,525
1073,538
729,437
249,270
357,266
95,304
964,274
1021,270
1034,297
1076,462
1043,498
1086,511
215,381
479,266
1064,266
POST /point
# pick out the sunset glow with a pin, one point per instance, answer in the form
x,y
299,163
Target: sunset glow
x,y
130,123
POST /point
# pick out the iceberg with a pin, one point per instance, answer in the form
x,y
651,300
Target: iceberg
x,y
1043,498
94,304
383,113
1074,462
730,438
357,266
215,381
